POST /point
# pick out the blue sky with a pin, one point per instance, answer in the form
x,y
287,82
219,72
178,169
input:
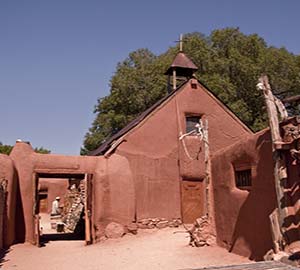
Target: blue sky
x,y
57,57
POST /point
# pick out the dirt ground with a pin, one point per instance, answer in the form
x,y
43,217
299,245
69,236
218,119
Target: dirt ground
x,y
149,249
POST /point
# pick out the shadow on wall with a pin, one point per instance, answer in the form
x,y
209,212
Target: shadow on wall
x,y
20,220
3,253
252,228
292,195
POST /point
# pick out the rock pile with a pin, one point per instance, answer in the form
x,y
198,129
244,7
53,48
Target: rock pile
x,y
132,228
151,223
200,233
114,230
74,204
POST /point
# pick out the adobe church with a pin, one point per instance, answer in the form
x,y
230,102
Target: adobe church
x,y
188,156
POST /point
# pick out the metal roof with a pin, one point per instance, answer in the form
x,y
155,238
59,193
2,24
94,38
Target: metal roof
x,y
181,61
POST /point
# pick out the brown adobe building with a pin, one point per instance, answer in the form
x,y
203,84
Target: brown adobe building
x,y
169,173
153,169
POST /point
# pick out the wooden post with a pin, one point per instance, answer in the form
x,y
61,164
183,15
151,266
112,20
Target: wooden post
x,y
207,168
280,170
174,79
281,108
275,230
88,239
271,109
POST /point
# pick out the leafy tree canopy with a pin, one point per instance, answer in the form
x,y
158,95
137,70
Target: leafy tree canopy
x,y
6,149
230,64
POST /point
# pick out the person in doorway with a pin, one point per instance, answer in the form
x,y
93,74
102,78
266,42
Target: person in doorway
x,y
55,207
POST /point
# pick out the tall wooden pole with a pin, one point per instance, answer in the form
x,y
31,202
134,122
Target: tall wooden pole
x,y
207,168
280,170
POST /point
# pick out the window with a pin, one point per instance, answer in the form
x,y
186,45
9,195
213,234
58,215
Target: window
x,y
194,85
243,179
191,122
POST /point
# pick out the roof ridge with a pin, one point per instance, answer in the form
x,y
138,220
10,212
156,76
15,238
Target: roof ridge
x,y
104,146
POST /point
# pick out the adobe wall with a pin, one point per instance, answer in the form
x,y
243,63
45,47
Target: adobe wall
x,y
159,160
152,151
242,217
8,174
113,194
55,188
2,213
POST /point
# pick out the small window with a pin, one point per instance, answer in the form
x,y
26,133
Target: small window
x,y
243,179
194,85
191,122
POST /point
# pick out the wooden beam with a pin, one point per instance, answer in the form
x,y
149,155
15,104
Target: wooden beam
x,y
207,168
275,231
281,108
280,170
271,108
291,99
88,239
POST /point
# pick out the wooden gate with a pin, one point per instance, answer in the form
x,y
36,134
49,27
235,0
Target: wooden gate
x,y
192,200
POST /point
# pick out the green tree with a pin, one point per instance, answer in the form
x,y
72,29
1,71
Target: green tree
x,y
6,149
230,64
42,150
137,84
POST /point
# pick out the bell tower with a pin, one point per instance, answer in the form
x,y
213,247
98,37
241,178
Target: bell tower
x,y
181,68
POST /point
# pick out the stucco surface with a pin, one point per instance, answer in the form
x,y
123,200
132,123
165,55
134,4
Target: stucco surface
x,y
121,190
112,194
8,173
242,217
56,187
159,160
22,156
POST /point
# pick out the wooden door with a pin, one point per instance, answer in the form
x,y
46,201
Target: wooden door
x,y
192,200
88,208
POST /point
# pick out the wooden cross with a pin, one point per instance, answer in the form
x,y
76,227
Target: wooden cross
x,y
180,41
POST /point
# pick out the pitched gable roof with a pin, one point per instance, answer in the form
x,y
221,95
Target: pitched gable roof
x,y
107,144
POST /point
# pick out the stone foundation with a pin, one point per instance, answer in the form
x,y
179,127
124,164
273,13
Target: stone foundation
x,y
159,223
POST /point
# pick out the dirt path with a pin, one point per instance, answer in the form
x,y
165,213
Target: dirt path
x,y
150,249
